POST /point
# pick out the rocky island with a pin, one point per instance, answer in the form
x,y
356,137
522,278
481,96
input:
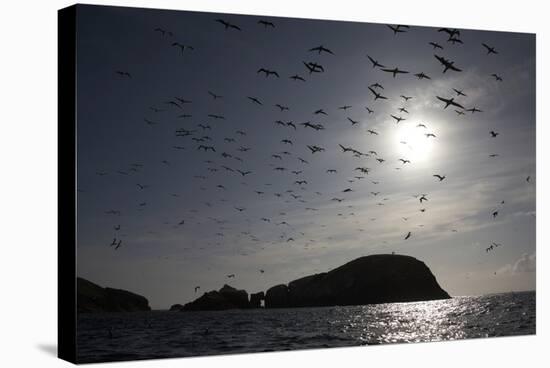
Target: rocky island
x,y
93,298
225,298
375,279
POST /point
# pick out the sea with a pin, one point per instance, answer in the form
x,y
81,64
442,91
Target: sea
x,y
103,337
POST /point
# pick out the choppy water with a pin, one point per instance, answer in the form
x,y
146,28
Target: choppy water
x,y
163,334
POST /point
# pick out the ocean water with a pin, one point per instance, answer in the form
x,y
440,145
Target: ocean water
x,y
162,334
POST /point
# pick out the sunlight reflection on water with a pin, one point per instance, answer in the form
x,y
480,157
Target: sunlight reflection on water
x,y
175,334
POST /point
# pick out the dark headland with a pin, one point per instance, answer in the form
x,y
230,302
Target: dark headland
x,y
375,279
93,298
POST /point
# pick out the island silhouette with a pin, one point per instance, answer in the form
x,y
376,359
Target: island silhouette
x,y
374,279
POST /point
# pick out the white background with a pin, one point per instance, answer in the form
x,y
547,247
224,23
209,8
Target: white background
x,y
28,181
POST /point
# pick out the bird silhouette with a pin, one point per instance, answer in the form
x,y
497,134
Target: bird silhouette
x,y
321,49
474,110
266,24
377,95
314,67
490,50
297,77
449,101
422,76
450,32
447,64
182,47
459,92
398,119
228,25
123,74
375,63
315,149
394,71
397,28
255,100
268,72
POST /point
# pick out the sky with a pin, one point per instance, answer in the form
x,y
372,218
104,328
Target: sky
x,y
186,217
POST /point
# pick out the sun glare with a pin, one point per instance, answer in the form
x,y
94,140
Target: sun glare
x,y
414,142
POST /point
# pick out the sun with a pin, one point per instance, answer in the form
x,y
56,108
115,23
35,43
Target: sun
x,y
412,142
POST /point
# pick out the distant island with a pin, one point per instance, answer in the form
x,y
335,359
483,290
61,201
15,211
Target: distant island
x,y
93,298
375,279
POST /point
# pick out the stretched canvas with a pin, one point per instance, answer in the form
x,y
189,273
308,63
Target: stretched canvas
x,y
238,184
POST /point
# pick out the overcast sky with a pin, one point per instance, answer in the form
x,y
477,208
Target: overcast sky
x,y
182,230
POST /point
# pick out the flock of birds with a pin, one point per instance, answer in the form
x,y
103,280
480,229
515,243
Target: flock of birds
x,y
228,154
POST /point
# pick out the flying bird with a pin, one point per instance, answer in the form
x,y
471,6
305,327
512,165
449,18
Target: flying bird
x,y
123,73
182,46
474,110
397,28
267,72
447,63
297,77
408,235
266,24
450,32
398,119
353,122
377,95
244,173
320,49
314,148
449,101
375,63
394,71
314,67
455,40
214,96
228,25
459,92
422,76
490,50
440,177
255,100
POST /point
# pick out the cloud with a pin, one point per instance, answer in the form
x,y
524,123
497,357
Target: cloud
x,y
526,263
